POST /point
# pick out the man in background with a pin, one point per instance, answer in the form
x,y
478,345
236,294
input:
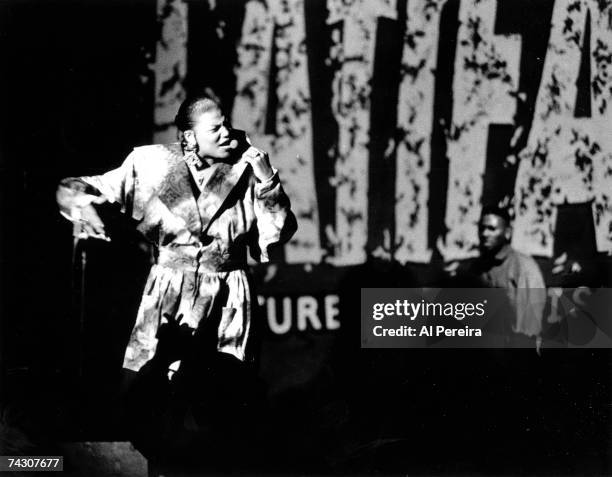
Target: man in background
x,y
501,266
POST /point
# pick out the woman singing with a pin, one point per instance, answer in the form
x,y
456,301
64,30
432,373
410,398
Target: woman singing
x,y
200,202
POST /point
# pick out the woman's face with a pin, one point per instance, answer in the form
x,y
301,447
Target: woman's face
x,y
212,134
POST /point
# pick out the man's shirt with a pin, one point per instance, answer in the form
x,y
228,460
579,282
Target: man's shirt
x,y
520,276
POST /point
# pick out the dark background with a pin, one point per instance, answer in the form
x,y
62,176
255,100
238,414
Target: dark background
x,y
76,97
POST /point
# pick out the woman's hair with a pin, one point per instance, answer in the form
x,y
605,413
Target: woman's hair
x,y
195,105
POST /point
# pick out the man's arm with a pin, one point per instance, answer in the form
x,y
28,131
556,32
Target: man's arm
x,y
530,300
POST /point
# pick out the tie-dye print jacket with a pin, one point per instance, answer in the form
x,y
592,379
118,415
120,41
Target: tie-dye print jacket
x,y
201,223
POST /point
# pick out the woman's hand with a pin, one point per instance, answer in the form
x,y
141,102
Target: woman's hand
x,y
91,224
77,207
260,163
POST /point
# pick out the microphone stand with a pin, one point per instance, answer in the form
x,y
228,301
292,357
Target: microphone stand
x,y
79,256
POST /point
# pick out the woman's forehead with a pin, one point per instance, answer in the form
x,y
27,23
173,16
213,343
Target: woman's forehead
x,y
213,117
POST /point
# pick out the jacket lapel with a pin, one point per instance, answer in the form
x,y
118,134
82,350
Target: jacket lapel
x,y
177,193
221,182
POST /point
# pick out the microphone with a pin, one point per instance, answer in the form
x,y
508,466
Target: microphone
x,y
233,144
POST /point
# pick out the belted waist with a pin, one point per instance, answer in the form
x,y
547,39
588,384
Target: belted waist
x,y
204,263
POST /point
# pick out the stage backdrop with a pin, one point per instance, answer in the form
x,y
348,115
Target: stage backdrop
x,y
391,122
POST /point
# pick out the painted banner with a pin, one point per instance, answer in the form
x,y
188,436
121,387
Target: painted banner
x,y
392,122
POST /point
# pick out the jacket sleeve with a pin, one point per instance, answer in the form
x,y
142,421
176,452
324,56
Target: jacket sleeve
x,y
275,222
116,186
530,299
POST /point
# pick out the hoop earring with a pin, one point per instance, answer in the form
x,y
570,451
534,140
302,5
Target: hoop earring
x,y
190,147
